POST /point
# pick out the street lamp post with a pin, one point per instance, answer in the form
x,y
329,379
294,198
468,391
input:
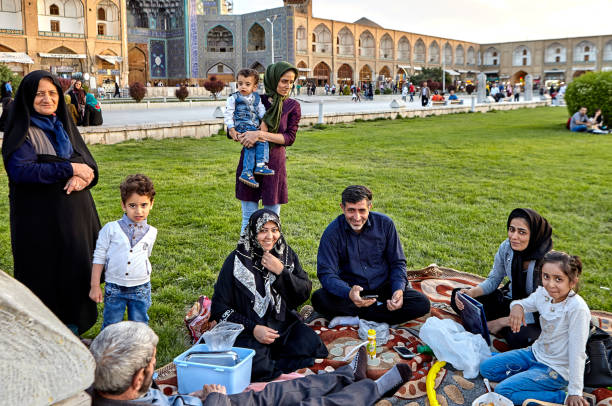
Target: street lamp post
x,y
272,24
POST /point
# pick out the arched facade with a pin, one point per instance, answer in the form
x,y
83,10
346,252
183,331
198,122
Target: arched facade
x,y
345,42
448,54
321,73
10,15
521,56
345,74
137,60
256,38
108,19
219,39
322,40
607,53
60,16
471,56
518,77
386,47
367,45
434,52
258,67
301,42
385,73
403,49
419,51
555,53
365,74
585,51
222,71
491,57
459,55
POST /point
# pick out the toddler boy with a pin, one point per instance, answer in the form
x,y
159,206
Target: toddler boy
x,y
243,112
123,248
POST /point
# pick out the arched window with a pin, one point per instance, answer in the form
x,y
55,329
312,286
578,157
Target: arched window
x,y
471,56
101,29
365,74
490,57
367,46
385,72
256,38
321,73
459,55
54,10
345,73
585,51
220,39
300,39
322,39
448,54
419,51
386,47
101,14
521,56
346,42
434,52
555,53
403,49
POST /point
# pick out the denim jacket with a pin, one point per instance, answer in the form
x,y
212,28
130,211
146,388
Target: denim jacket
x,y
502,267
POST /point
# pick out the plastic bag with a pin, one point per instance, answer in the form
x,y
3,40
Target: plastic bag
x,y
451,343
222,336
382,331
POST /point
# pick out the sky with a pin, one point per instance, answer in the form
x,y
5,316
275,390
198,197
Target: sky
x,y
480,21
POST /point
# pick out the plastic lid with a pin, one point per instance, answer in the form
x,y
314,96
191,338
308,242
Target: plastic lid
x,y
371,332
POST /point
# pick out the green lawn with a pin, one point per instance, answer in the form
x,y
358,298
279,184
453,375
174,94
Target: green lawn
x,y
448,182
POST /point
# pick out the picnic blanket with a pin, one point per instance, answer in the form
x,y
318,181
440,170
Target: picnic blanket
x,y
437,284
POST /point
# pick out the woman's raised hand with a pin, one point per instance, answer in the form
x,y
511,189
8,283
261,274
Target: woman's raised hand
x,y
83,171
271,263
459,303
265,334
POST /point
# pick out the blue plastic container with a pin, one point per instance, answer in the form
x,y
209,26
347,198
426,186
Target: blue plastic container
x,y
191,376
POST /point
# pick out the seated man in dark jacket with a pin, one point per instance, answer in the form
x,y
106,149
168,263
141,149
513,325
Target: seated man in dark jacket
x,y
125,361
362,267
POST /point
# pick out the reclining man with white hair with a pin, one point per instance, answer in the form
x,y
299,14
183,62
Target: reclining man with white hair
x,y
125,361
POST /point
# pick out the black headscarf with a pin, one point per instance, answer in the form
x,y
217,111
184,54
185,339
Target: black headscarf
x,y
22,109
249,252
540,242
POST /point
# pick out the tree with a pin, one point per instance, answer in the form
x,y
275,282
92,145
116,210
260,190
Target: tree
x,y
7,74
214,85
138,91
182,93
592,90
430,74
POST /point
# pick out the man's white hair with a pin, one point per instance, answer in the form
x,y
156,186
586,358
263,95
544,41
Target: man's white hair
x,y
120,351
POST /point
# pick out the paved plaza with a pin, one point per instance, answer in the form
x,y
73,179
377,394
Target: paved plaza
x,y
177,112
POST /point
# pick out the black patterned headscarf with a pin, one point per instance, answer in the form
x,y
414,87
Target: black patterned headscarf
x,y
540,242
247,262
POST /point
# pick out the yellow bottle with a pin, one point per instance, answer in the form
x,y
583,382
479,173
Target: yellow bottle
x,y
371,346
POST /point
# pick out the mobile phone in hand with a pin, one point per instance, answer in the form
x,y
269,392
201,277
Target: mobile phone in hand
x,y
369,297
404,352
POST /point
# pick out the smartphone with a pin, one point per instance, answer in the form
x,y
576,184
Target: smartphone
x,y
369,297
404,352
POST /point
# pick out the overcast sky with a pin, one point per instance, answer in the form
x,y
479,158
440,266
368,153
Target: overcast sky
x,y
481,21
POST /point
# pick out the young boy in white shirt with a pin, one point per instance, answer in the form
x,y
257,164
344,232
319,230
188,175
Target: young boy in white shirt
x,y
123,248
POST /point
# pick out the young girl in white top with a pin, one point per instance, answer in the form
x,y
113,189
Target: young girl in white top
x,y
552,369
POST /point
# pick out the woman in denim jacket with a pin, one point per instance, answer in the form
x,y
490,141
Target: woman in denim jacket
x,y
529,239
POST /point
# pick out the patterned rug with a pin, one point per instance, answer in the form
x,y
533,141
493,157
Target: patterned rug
x,y
437,284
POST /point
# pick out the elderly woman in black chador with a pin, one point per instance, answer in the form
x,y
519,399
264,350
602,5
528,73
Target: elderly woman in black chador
x,y
54,223
260,286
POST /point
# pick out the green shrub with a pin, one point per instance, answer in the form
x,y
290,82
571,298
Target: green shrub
x,y
592,90
7,74
388,91
377,91
346,91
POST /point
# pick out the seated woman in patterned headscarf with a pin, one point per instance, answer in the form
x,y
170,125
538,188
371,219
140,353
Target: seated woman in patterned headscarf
x,y
260,286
